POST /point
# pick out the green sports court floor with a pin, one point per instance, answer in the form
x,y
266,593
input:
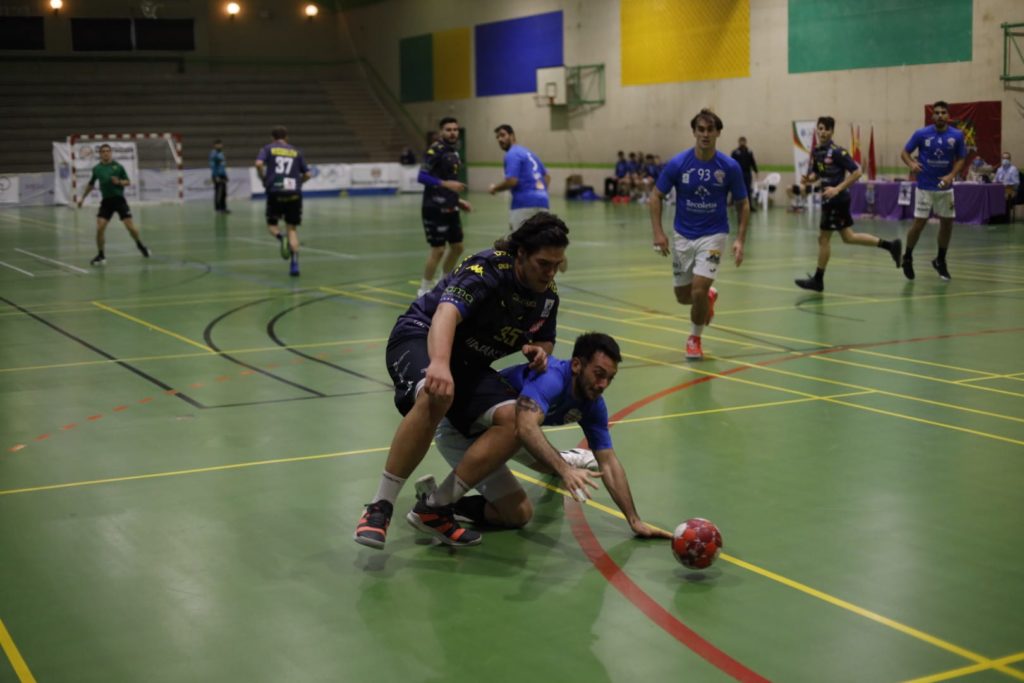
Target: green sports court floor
x,y
186,444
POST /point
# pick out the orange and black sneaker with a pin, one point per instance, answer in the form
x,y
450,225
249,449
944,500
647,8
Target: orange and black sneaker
x,y
372,530
440,523
712,298
693,349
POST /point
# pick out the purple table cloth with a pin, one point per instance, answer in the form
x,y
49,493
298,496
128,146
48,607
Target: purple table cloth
x,y
975,202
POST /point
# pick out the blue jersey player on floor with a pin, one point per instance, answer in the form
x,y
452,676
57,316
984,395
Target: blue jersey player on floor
x,y
703,178
283,170
569,391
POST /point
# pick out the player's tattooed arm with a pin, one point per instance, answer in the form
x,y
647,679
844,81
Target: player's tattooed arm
x,y
529,418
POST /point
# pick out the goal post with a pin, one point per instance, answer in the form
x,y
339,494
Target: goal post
x,y
153,161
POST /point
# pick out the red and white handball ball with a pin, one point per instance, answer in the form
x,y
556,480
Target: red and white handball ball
x,y
696,543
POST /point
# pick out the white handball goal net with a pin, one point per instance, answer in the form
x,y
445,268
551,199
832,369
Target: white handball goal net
x,y
153,162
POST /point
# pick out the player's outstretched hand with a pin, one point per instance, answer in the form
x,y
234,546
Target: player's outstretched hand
x,y
453,185
537,356
643,530
439,381
465,206
577,481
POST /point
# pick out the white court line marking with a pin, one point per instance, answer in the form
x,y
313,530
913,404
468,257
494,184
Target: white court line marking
x,y
2,263
50,260
303,248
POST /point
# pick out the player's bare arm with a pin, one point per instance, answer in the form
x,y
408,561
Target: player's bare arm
x,y
529,418
617,483
438,377
660,240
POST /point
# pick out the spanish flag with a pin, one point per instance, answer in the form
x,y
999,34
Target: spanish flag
x,y
855,143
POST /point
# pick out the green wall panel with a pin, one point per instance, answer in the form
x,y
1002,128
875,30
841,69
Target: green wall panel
x,y
827,35
416,63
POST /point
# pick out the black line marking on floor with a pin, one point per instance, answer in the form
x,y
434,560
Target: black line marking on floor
x,y
149,378
271,332
208,337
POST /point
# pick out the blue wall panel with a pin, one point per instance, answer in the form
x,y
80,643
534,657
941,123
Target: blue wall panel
x,y
508,53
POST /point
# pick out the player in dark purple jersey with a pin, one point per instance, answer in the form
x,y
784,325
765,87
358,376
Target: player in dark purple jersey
x,y
837,171
283,170
495,303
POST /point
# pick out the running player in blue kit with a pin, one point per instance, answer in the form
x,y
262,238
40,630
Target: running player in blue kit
x,y
283,170
703,178
940,156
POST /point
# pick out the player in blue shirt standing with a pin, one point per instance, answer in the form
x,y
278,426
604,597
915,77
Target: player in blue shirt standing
x,y
568,391
525,177
940,156
703,178
283,170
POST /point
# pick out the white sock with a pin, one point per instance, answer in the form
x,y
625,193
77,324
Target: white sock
x,y
389,488
696,330
426,284
450,490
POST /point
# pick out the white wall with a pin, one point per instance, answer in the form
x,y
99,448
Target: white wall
x,y
656,118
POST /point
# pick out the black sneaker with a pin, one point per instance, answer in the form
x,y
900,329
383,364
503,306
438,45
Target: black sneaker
x,y
98,260
440,523
810,283
143,249
940,268
908,267
895,249
372,530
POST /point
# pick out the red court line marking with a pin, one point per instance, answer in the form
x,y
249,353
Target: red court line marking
x,y
617,577
247,372
69,426
93,418
16,447
42,437
222,378
646,604
118,409
145,400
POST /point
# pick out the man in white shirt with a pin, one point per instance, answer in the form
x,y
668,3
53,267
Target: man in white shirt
x,y
1009,176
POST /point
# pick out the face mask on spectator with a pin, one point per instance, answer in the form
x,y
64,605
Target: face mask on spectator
x,y
1006,163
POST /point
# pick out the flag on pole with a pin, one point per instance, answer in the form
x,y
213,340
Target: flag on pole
x,y
872,168
855,143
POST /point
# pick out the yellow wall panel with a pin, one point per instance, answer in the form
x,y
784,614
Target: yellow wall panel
x,y
451,64
669,41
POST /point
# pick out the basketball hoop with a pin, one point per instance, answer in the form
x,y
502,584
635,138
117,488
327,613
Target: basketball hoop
x,y
544,100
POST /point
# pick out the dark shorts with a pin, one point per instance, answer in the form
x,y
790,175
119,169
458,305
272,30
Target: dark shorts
x,y
476,389
111,205
286,206
441,225
835,214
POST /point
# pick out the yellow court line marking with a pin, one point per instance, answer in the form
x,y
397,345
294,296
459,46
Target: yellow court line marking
x,y
739,330
197,470
404,295
176,356
11,650
155,328
973,669
905,359
22,219
838,304
741,563
790,290
981,660
1012,378
873,390
675,330
732,409
134,304
928,378
353,295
